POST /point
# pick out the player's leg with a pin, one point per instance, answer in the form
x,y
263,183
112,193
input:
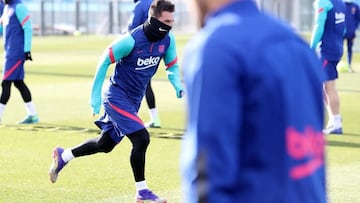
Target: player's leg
x,y
104,143
140,141
350,44
150,100
5,95
333,100
29,105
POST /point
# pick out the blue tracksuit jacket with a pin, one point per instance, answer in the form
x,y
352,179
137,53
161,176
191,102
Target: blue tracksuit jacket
x,y
17,34
254,127
329,28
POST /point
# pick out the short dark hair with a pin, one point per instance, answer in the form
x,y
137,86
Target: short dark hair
x,y
158,6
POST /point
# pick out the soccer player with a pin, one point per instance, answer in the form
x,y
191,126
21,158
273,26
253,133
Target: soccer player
x,y
352,17
139,16
17,32
137,56
255,114
328,38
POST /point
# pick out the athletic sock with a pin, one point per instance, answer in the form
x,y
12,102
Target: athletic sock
x,y
337,121
141,185
2,109
30,107
154,115
67,155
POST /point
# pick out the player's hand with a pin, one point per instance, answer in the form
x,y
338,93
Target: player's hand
x,y
95,110
180,94
28,56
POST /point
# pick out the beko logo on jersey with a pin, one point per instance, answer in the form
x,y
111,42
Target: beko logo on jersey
x,y
339,18
147,62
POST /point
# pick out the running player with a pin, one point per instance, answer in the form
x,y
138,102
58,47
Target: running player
x,y
137,56
139,16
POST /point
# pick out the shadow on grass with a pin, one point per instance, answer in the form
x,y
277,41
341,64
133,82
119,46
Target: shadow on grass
x,y
336,143
166,133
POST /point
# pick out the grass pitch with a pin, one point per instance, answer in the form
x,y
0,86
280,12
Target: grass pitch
x,y
60,79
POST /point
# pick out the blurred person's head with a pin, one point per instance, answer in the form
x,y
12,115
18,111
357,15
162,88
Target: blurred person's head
x,y
202,8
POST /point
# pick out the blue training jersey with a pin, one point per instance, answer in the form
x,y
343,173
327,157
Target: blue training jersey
x,y
137,60
352,19
17,29
139,14
329,30
255,114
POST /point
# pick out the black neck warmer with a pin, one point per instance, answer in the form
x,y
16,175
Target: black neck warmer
x,y
7,1
155,30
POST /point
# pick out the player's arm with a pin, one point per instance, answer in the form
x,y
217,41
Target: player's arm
x,y
115,52
1,25
136,16
1,20
322,7
357,15
23,16
172,67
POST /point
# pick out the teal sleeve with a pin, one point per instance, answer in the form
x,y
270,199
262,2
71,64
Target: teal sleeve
x,y
23,16
322,7
115,52
172,70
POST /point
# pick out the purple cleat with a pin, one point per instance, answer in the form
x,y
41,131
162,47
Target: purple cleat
x,y
146,195
57,164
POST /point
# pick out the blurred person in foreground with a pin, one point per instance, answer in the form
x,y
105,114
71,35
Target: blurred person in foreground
x,y
17,33
328,39
137,56
255,114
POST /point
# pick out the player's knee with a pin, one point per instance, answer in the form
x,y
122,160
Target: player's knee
x,y
5,84
19,84
106,150
140,139
105,144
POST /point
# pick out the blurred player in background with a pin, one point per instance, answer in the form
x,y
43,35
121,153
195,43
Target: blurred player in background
x,y
352,19
256,112
137,56
17,33
139,16
328,38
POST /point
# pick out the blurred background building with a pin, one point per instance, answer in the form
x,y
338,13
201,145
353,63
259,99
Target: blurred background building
x,y
51,17
298,13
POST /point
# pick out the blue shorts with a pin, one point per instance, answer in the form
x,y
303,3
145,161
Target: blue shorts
x,y
330,69
120,119
13,69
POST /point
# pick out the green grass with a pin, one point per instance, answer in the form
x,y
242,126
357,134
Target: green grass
x,y
60,78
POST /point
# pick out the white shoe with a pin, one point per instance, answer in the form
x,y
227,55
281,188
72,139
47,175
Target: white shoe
x,y
333,130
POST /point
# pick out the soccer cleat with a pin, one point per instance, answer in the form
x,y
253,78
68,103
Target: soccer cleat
x,y
57,164
29,120
332,130
146,195
153,125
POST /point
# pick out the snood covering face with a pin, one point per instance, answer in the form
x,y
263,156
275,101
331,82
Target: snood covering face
x,y
155,30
